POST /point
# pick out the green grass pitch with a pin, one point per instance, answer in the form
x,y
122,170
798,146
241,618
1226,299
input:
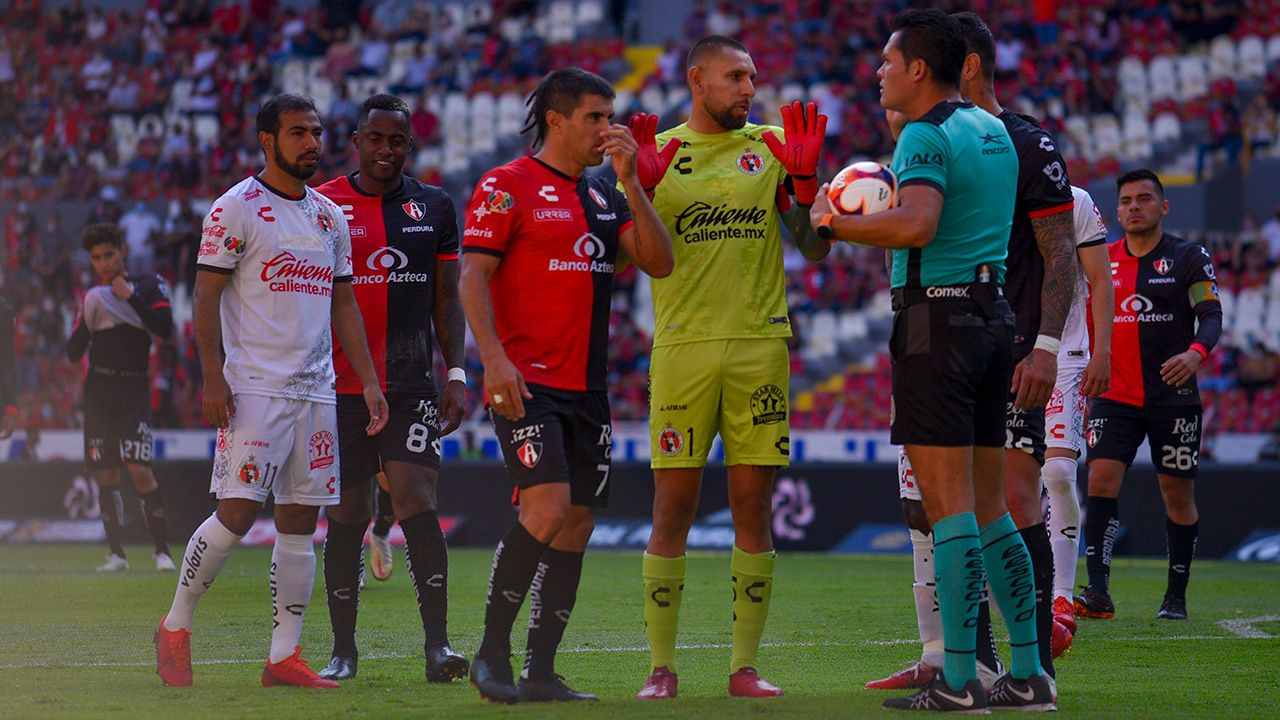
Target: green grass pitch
x,y
74,643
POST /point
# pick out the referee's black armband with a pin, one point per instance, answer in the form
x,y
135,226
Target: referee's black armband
x,y
1210,316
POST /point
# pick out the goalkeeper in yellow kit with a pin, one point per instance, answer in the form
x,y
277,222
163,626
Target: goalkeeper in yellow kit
x,y
719,361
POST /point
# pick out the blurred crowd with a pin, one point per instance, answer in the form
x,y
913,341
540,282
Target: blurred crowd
x,y
66,72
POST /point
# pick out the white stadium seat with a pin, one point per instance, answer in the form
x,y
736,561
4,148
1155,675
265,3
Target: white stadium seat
x,y
1252,57
1273,48
511,112
653,100
1133,79
1163,79
1106,136
1193,79
1078,133
1166,128
1222,57
590,13
1136,135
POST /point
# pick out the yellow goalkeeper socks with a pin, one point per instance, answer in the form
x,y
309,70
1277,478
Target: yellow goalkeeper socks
x,y
663,589
752,588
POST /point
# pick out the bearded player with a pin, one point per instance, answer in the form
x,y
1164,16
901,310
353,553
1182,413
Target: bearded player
x,y
720,361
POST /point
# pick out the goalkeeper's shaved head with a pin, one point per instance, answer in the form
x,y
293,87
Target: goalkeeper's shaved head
x,y
710,46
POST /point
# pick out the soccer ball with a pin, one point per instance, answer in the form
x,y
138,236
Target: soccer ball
x,y
863,188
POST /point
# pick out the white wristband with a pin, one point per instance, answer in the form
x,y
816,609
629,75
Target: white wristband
x,y
1048,344
458,374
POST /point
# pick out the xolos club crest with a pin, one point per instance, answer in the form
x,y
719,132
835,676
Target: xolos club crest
x,y
750,162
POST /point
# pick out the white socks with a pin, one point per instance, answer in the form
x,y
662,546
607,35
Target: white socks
x,y
293,574
928,620
1059,475
206,553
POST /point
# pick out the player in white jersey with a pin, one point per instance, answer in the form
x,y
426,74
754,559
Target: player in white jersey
x,y
1081,374
275,271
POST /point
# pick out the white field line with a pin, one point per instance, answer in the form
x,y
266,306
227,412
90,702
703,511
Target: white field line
x,y
618,649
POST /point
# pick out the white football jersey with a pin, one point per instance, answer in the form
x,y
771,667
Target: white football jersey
x,y
283,256
1090,230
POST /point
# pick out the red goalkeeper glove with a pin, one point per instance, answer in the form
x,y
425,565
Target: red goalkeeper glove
x,y
804,129
651,164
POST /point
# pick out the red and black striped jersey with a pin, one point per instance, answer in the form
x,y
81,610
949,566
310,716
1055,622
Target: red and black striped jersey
x,y
396,241
1159,298
558,239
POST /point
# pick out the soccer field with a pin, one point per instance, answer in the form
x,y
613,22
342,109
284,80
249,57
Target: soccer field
x,y
78,644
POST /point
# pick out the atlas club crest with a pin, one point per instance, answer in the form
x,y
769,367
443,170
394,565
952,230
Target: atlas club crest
x,y
414,209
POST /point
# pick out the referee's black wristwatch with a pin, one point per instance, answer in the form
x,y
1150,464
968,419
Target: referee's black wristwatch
x,y
823,227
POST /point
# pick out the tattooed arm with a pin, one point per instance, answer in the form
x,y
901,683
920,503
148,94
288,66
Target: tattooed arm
x,y
1035,376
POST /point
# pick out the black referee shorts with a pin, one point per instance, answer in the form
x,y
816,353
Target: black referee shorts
x,y
951,373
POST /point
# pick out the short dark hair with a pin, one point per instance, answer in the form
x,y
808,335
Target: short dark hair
x,y
561,90
100,233
710,45
277,105
1139,175
978,40
384,101
934,37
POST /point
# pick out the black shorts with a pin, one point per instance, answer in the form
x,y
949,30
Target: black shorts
x,y
564,437
1173,432
117,423
1024,429
412,435
951,372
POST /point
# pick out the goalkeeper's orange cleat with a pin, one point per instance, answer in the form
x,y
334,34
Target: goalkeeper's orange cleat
x,y
748,683
294,671
660,685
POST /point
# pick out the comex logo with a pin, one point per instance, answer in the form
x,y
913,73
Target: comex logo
x,y
387,258
589,246
1136,304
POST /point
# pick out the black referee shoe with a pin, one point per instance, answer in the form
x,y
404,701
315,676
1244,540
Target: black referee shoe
x,y
340,667
939,697
445,665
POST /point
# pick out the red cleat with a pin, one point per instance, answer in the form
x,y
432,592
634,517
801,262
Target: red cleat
x,y
1064,611
294,671
748,683
173,655
915,675
660,685
1061,639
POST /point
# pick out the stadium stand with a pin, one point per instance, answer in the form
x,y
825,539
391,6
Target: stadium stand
x,y
157,120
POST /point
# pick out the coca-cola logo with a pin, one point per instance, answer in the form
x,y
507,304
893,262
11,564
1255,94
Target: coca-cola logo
x,y
701,215
286,265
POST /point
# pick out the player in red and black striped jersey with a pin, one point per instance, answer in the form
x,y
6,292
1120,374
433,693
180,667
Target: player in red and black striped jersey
x,y
116,325
541,247
1167,320
404,247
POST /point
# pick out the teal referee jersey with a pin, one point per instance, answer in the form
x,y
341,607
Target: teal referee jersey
x,y
966,153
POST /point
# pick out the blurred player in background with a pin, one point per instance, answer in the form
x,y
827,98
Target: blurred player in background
x,y
8,373
958,176
1082,373
541,246
404,254
115,325
274,272
1167,320
720,362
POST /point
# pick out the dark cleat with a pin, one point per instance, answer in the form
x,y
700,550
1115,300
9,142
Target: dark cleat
x,y
492,677
444,665
340,667
551,689
937,696
1173,608
1094,603
1034,694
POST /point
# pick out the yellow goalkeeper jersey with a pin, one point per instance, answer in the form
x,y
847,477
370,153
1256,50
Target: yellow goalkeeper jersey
x,y
719,201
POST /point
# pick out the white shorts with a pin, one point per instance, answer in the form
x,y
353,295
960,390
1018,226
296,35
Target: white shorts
x,y
280,447
908,488
1064,415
